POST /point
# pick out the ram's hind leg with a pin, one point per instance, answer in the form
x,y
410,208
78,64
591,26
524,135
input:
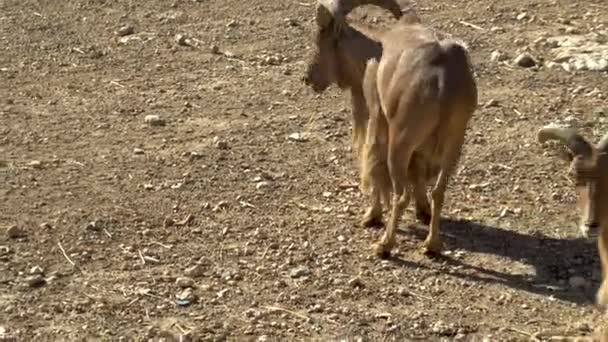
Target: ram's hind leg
x,y
418,175
451,155
403,141
375,179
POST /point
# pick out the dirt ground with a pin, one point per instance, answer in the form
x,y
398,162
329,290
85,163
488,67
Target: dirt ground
x,y
238,218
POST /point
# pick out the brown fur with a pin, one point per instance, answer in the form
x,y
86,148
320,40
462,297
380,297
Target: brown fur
x,y
421,94
589,171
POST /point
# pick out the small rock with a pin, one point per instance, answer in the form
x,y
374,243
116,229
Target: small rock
x,y
93,226
36,270
182,40
187,295
497,56
15,232
300,272
220,144
154,120
577,282
356,282
298,137
525,60
36,164
36,280
215,49
45,225
491,103
125,31
138,151
194,271
168,222
521,16
262,185
184,282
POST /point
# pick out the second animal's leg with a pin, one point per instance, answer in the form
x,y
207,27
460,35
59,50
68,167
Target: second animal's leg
x,y
451,155
418,174
360,115
602,244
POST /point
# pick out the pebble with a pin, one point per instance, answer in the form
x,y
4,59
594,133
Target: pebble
x,y
262,185
93,226
187,295
154,120
45,225
298,137
497,56
356,282
125,30
15,232
220,144
525,60
35,280
184,282
138,151
36,164
195,271
300,272
36,270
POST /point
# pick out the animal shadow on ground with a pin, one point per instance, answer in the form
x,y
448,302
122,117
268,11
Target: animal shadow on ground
x,y
555,261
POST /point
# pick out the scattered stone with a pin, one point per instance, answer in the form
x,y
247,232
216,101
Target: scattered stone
x,y
299,272
168,222
154,120
215,49
195,271
356,282
36,280
525,60
220,144
45,225
125,30
184,282
93,226
577,282
441,328
138,151
497,56
187,296
262,185
15,232
182,40
35,164
521,16
298,137
491,103
36,270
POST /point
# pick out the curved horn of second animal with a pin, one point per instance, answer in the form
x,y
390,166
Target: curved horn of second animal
x,y
575,142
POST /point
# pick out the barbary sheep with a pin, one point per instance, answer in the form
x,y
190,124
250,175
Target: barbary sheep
x,y
421,94
341,53
589,171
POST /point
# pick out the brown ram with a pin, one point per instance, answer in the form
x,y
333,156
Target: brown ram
x,y
340,57
589,171
421,95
